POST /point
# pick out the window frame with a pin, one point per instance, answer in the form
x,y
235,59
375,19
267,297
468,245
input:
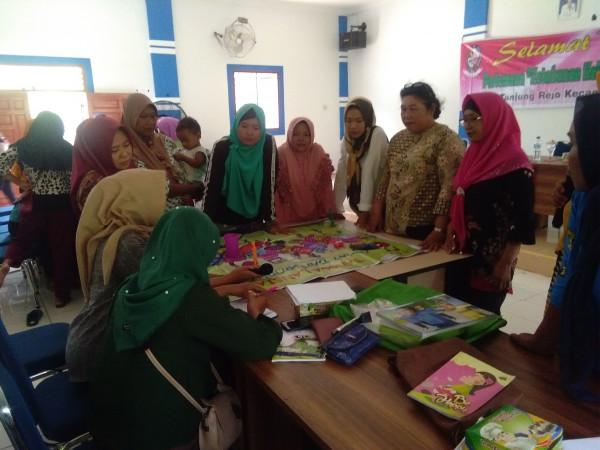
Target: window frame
x,y
233,68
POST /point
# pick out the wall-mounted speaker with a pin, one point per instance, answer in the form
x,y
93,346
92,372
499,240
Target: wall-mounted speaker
x,y
353,40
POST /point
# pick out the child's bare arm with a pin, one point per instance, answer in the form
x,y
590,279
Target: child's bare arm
x,y
197,161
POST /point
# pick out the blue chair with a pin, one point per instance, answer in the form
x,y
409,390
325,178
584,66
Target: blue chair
x,y
41,349
17,418
58,406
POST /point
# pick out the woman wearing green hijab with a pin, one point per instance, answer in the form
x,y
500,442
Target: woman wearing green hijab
x,y
169,307
241,175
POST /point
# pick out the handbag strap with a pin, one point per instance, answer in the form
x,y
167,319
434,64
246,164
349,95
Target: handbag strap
x,y
199,406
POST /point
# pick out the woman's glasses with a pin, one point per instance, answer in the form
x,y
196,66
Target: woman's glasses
x,y
469,121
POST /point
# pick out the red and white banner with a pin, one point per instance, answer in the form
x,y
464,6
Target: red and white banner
x,y
533,72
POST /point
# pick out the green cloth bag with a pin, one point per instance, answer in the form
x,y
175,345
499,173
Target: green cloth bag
x,y
401,294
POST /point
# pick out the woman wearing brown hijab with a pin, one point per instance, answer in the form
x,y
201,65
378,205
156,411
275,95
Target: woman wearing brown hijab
x,y
156,150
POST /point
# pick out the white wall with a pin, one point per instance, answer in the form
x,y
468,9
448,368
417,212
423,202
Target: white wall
x,y
114,35
301,39
407,41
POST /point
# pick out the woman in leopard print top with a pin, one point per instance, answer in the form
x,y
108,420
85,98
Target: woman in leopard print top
x,y
46,159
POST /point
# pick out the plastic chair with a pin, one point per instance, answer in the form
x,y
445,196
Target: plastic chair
x,y
19,422
16,417
58,406
41,349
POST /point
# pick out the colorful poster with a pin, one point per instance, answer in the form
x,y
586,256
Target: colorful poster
x,y
313,251
533,72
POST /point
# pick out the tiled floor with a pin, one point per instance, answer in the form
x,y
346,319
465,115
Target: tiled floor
x,y
523,310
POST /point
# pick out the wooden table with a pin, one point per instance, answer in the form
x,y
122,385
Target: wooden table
x,y
425,269
547,172
297,405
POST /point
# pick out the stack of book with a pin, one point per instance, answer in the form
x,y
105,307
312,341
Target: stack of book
x,y
433,315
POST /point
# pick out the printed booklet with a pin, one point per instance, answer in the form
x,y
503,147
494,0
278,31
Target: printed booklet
x,y
433,315
299,345
512,428
461,386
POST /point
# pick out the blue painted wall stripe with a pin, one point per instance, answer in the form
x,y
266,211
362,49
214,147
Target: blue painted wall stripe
x,y
160,19
343,79
56,60
476,13
164,64
343,76
342,24
164,68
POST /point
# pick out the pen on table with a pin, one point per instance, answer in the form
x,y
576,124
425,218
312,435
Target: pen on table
x,y
254,254
341,327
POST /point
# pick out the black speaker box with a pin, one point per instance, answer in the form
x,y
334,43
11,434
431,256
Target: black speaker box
x,y
353,39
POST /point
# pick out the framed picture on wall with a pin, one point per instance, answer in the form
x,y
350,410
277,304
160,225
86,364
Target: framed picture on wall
x,y
568,9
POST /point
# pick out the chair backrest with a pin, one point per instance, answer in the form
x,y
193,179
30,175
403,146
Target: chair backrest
x,y
16,368
19,423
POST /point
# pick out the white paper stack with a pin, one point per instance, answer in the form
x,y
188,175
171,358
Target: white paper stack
x,y
318,298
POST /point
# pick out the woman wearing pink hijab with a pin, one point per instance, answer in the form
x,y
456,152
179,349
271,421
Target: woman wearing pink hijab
x,y
304,189
492,209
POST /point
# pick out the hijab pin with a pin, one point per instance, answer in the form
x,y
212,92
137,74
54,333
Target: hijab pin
x,y
153,257
166,292
127,291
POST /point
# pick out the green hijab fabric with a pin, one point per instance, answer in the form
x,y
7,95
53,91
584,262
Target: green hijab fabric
x,y
243,179
182,244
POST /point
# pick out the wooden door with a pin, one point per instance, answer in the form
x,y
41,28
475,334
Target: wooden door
x,y
108,104
14,114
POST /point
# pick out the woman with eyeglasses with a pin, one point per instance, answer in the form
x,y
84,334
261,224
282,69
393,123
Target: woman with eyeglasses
x,y
492,209
156,150
415,190
363,153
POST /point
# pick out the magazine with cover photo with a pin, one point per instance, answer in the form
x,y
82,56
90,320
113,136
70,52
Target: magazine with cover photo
x,y
433,315
461,386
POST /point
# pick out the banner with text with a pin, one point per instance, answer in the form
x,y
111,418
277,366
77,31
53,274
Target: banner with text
x,y
541,71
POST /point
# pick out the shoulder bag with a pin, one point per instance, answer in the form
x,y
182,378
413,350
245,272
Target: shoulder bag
x,y
221,423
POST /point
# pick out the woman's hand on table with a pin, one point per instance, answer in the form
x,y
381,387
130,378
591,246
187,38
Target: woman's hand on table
x,y
376,217
450,243
257,303
433,241
242,290
363,219
240,275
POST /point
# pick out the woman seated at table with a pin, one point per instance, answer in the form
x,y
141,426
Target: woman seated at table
x,y
304,190
102,147
240,187
492,209
169,307
113,230
363,153
414,193
155,150
584,168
